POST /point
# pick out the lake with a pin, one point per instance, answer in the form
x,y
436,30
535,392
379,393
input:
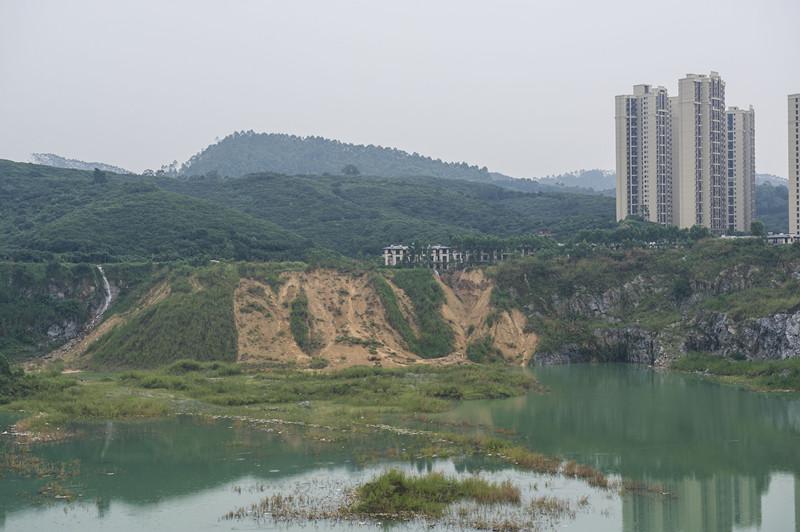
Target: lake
x,y
724,459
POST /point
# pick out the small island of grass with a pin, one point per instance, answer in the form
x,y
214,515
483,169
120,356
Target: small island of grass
x,y
399,496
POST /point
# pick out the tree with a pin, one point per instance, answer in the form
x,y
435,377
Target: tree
x,y
99,177
757,228
5,367
698,232
351,170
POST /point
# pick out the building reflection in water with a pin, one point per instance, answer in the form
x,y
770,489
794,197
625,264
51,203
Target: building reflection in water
x,y
720,503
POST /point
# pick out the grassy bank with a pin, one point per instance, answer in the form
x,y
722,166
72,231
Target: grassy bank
x,y
196,321
348,398
774,375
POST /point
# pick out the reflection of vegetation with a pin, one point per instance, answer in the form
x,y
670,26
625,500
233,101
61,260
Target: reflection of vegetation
x,y
762,374
395,494
590,410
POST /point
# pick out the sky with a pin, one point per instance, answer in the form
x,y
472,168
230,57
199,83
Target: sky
x,y
523,87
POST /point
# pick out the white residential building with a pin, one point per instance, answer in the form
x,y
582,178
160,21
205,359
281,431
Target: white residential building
x,y
741,168
699,152
395,255
673,153
644,144
794,164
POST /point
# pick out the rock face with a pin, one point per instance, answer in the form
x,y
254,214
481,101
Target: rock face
x,y
766,338
771,337
624,344
54,302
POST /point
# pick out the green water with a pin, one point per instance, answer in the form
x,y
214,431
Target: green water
x,y
729,458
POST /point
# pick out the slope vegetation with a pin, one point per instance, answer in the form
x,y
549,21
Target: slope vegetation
x,y
360,215
247,152
48,213
246,312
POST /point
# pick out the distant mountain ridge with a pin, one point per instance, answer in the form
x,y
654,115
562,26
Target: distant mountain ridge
x,y
595,179
772,179
248,152
57,161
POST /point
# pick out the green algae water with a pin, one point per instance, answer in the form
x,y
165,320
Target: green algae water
x,y
724,459
729,457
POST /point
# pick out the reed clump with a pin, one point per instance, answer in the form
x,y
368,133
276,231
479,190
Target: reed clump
x,y
397,495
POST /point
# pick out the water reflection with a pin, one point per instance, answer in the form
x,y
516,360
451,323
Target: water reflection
x,y
718,449
731,458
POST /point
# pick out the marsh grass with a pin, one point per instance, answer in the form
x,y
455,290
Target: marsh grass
x,y
397,495
346,398
776,375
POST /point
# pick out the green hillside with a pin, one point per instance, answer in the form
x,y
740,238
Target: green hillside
x,y
772,206
243,153
77,216
48,212
196,322
359,215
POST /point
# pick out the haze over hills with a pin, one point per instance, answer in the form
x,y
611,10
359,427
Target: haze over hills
x,y
57,161
243,153
595,179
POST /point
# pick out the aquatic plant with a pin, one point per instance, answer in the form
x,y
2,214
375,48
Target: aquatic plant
x,y
399,495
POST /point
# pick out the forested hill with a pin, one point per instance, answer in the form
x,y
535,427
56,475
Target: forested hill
x,y
358,215
244,153
50,213
76,216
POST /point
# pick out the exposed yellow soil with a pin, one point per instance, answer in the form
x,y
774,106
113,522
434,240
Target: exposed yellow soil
x,y
468,305
350,327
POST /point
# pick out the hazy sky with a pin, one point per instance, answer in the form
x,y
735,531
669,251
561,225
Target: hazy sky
x,y
524,87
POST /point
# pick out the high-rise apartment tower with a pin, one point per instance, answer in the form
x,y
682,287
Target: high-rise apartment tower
x,y
741,169
794,164
699,152
676,161
644,162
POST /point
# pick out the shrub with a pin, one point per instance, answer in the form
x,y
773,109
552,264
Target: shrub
x,y
300,322
483,351
435,335
318,363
